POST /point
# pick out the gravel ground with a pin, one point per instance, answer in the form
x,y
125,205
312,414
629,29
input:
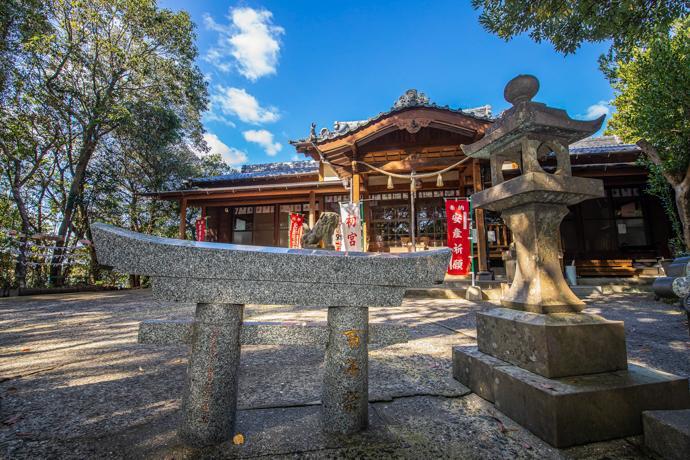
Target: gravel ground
x,y
75,384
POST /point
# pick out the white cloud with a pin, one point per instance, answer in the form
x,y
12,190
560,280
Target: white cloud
x,y
265,139
230,155
212,115
250,38
597,110
238,102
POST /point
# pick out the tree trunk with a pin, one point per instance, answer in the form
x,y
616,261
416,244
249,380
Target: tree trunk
x,y
89,146
682,192
20,267
681,187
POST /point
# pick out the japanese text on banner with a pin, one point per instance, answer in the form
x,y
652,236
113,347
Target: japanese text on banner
x,y
200,229
459,228
350,227
296,229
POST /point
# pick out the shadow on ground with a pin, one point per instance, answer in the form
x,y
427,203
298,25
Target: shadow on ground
x,y
75,384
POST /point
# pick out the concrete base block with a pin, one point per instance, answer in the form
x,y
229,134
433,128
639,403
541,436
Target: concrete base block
x,y
667,433
474,293
555,345
571,410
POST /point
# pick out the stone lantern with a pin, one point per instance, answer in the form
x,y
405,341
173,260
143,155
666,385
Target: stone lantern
x,y
560,372
534,203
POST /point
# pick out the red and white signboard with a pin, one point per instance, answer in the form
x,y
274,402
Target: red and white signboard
x,y
200,229
296,229
350,227
459,227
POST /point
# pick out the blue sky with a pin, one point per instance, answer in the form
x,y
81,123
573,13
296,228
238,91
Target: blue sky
x,y
275,66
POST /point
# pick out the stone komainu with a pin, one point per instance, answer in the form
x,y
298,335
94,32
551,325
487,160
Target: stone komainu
x,y
322,231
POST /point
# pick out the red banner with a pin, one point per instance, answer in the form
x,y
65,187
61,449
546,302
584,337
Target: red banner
x,y
295,232
459,227
201,229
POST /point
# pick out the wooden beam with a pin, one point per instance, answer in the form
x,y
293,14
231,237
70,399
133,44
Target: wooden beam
x,y
336,188
183,218
247,202
479,218
419,164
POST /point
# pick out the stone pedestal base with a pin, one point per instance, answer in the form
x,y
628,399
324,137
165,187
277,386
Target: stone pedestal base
x,y
571,410
555,345
667,433
345,395
210,400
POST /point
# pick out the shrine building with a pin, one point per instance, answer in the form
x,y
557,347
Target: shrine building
x,y
615,235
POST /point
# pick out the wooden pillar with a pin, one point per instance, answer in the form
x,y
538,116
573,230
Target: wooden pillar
x,y
321,171
312,209
479,218
183,218
356,184
356,193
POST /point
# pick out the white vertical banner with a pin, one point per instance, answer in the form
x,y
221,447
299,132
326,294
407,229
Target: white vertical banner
x,y
350,227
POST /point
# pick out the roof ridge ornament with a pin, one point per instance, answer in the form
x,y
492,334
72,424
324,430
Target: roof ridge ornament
x,y
411,98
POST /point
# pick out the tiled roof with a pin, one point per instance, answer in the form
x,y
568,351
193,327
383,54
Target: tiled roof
x,y
602,144
247,172
591,145
410,99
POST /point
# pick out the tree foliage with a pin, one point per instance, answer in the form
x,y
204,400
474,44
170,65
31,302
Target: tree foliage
x,y
569,23
653,109
102,103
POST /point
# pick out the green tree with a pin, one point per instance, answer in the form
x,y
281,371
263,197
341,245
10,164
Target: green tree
x,y
20,21
101,58
569,23
647,64
653,109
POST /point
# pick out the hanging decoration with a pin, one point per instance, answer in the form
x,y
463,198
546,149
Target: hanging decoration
x,y
296,230
459,228
351,227
200,229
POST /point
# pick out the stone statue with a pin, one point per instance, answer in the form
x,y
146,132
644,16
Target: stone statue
x,y
322,231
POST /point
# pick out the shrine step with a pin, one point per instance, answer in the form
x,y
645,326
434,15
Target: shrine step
x,y
176,332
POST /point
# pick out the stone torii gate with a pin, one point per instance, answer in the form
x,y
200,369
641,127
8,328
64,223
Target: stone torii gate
x,y
222,278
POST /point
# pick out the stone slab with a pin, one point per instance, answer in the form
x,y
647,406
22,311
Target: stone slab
x,y
176,332
475,370
554,345
538,187
572,410
136,253
667,433
322,293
